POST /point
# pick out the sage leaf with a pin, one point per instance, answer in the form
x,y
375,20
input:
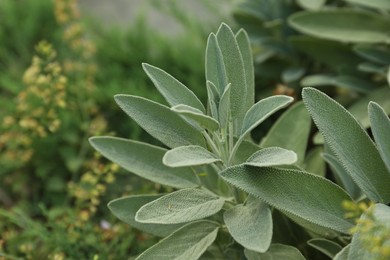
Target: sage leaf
x,y
250,224
311,4
215,66
381,5
290,131
189,242
343,254
144,160
325,246
191,155
345,25
159,121
314,163
380,127
373,53
173,91
213,99
276,252
350,143
272,156
180,207
203,120
224,107
125,209
308,196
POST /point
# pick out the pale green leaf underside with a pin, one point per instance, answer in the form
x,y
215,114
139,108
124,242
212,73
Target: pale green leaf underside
x,y
325,246
345,25
250,224
173,91
203,120
159,121
308,196
180,207
189,242
380,127
191,155
350,143
125,209
262,110
272,156
144,160
276,252
291,131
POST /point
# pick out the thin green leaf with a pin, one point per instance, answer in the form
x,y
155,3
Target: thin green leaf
x,y
350,143
191,155
189,242
374,53
272,156
180,207
224,107
343,254
159,121
380,127
291,131
381,5
345,25
144,160
125,209
213,99
292,74
314,163
325,246
348,82
173,91
250,224
276,252
308,196
203,120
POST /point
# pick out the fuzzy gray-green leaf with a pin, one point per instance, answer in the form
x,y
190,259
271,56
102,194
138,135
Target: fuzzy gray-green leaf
x,y
381,5
250,224
203,120
380,127
180,207
343,254
189,242
325,246
308,196
212,99
276,252
125,209
350,143
159,121
173,91
224,107
272,156
191,155
144,160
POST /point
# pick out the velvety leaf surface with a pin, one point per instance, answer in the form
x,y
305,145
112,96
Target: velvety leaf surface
x,y
276,252
350,143
224,107
144,160
180,206
212,99
308,196
203,120
327,247
314,163
159,121
272,156
250,224
189,242
191,155
173,91
125,209
343,254
345,25
215,67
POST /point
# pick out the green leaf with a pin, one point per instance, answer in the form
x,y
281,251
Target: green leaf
x,y
276,252
380,127
125,209
272,156
180,207
325,246
292,74
311,4
381,5
350,143
250,224
215,67
189,242
173,91
291,131
191,155
244,151
345,25
314,162
246,52
203,120
308,196
343,254
224,107
359,108
374,53
213,99
235,71
159,121
262,110
144,160
348,82
374,223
